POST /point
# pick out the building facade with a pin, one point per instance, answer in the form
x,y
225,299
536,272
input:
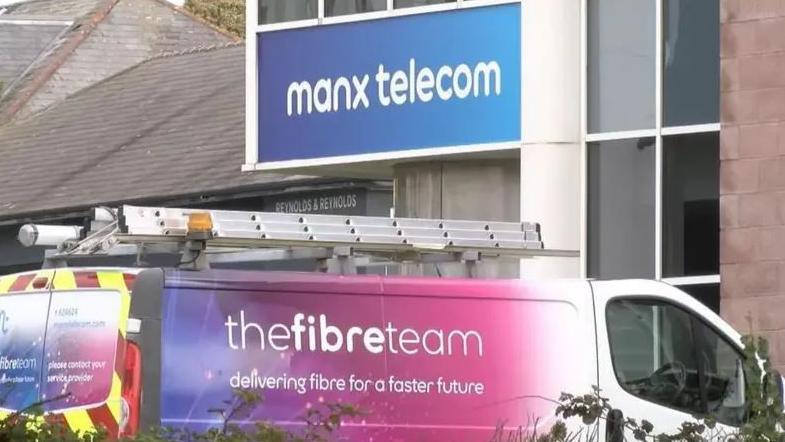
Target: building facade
x,y
618,153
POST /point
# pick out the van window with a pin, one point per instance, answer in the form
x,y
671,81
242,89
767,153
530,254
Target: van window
x,y
22,327
724,377
81,342
665,355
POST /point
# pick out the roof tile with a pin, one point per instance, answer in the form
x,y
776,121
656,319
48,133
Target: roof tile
x,y
169,127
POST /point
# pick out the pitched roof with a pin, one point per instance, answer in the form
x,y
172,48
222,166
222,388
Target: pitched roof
x,y
134,137
71,9
106,37
21,45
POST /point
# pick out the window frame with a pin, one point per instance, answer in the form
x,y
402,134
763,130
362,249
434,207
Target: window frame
x,y
695,319
658,131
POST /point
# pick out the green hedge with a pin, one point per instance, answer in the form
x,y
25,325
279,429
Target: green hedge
x,y
225,14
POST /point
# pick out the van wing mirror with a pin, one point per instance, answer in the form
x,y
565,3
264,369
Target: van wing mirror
x,y
774,379
778,382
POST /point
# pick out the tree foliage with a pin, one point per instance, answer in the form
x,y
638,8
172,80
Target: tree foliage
x,y
228,15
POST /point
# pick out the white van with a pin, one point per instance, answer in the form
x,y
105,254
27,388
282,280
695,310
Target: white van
x,y
425,359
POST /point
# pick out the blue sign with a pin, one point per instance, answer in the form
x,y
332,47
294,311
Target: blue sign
x,y
381,86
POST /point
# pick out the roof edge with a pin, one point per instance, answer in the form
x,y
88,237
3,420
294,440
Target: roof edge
x,y
292,185
80,31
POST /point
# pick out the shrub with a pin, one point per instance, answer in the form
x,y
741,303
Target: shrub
x,y
225,14
320,423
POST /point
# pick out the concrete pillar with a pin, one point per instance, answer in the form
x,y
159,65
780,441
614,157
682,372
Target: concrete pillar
x,y
544,184
551,178
474,190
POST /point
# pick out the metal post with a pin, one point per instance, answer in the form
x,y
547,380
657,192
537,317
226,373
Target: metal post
x,y
194,255
342,262
470,260
52,260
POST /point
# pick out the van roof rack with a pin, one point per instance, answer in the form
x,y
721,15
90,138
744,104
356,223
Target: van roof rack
x,y
222,236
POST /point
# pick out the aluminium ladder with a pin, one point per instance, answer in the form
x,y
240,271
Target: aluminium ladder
x,y
343,241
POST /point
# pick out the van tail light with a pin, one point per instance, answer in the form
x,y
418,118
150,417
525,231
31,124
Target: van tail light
x,y
132,388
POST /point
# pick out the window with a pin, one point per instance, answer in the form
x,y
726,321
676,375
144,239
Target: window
x,y
723,377
274,11
707,294
80,347
22,329
665,355
410,3
621,208
659,82
621,70
343,7
691,205
691,63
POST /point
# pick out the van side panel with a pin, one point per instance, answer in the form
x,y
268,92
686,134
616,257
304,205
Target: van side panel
x,y
428,360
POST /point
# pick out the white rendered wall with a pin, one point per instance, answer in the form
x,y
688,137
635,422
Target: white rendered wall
x,y
551,156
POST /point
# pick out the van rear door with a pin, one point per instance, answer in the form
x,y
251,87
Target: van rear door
x,y
23,314
62,336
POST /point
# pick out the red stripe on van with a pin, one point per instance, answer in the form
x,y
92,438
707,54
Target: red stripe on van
x,y
130,279
86,279
119,360
21,283
101,416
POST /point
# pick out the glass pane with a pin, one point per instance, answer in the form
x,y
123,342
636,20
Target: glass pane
x,y
274,11
621,71
724,372
691,52
708,294
81,342
691,205
343,7
621,208
653,352
22,331
410,3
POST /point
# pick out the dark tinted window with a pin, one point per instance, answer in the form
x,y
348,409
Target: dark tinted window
x,y
708,294
664,354
343,7
621,208
410,3
724,377
653,350
691,205
691,62
274,11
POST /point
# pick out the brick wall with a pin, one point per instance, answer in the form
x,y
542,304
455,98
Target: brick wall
x,y
752,170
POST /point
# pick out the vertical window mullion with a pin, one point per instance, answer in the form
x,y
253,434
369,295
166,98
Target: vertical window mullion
x,y
699,343
658,33
584,244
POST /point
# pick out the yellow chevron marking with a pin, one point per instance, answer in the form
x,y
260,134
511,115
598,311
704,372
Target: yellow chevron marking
x,y
64,280
115,280
79,421
114,397
6,282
